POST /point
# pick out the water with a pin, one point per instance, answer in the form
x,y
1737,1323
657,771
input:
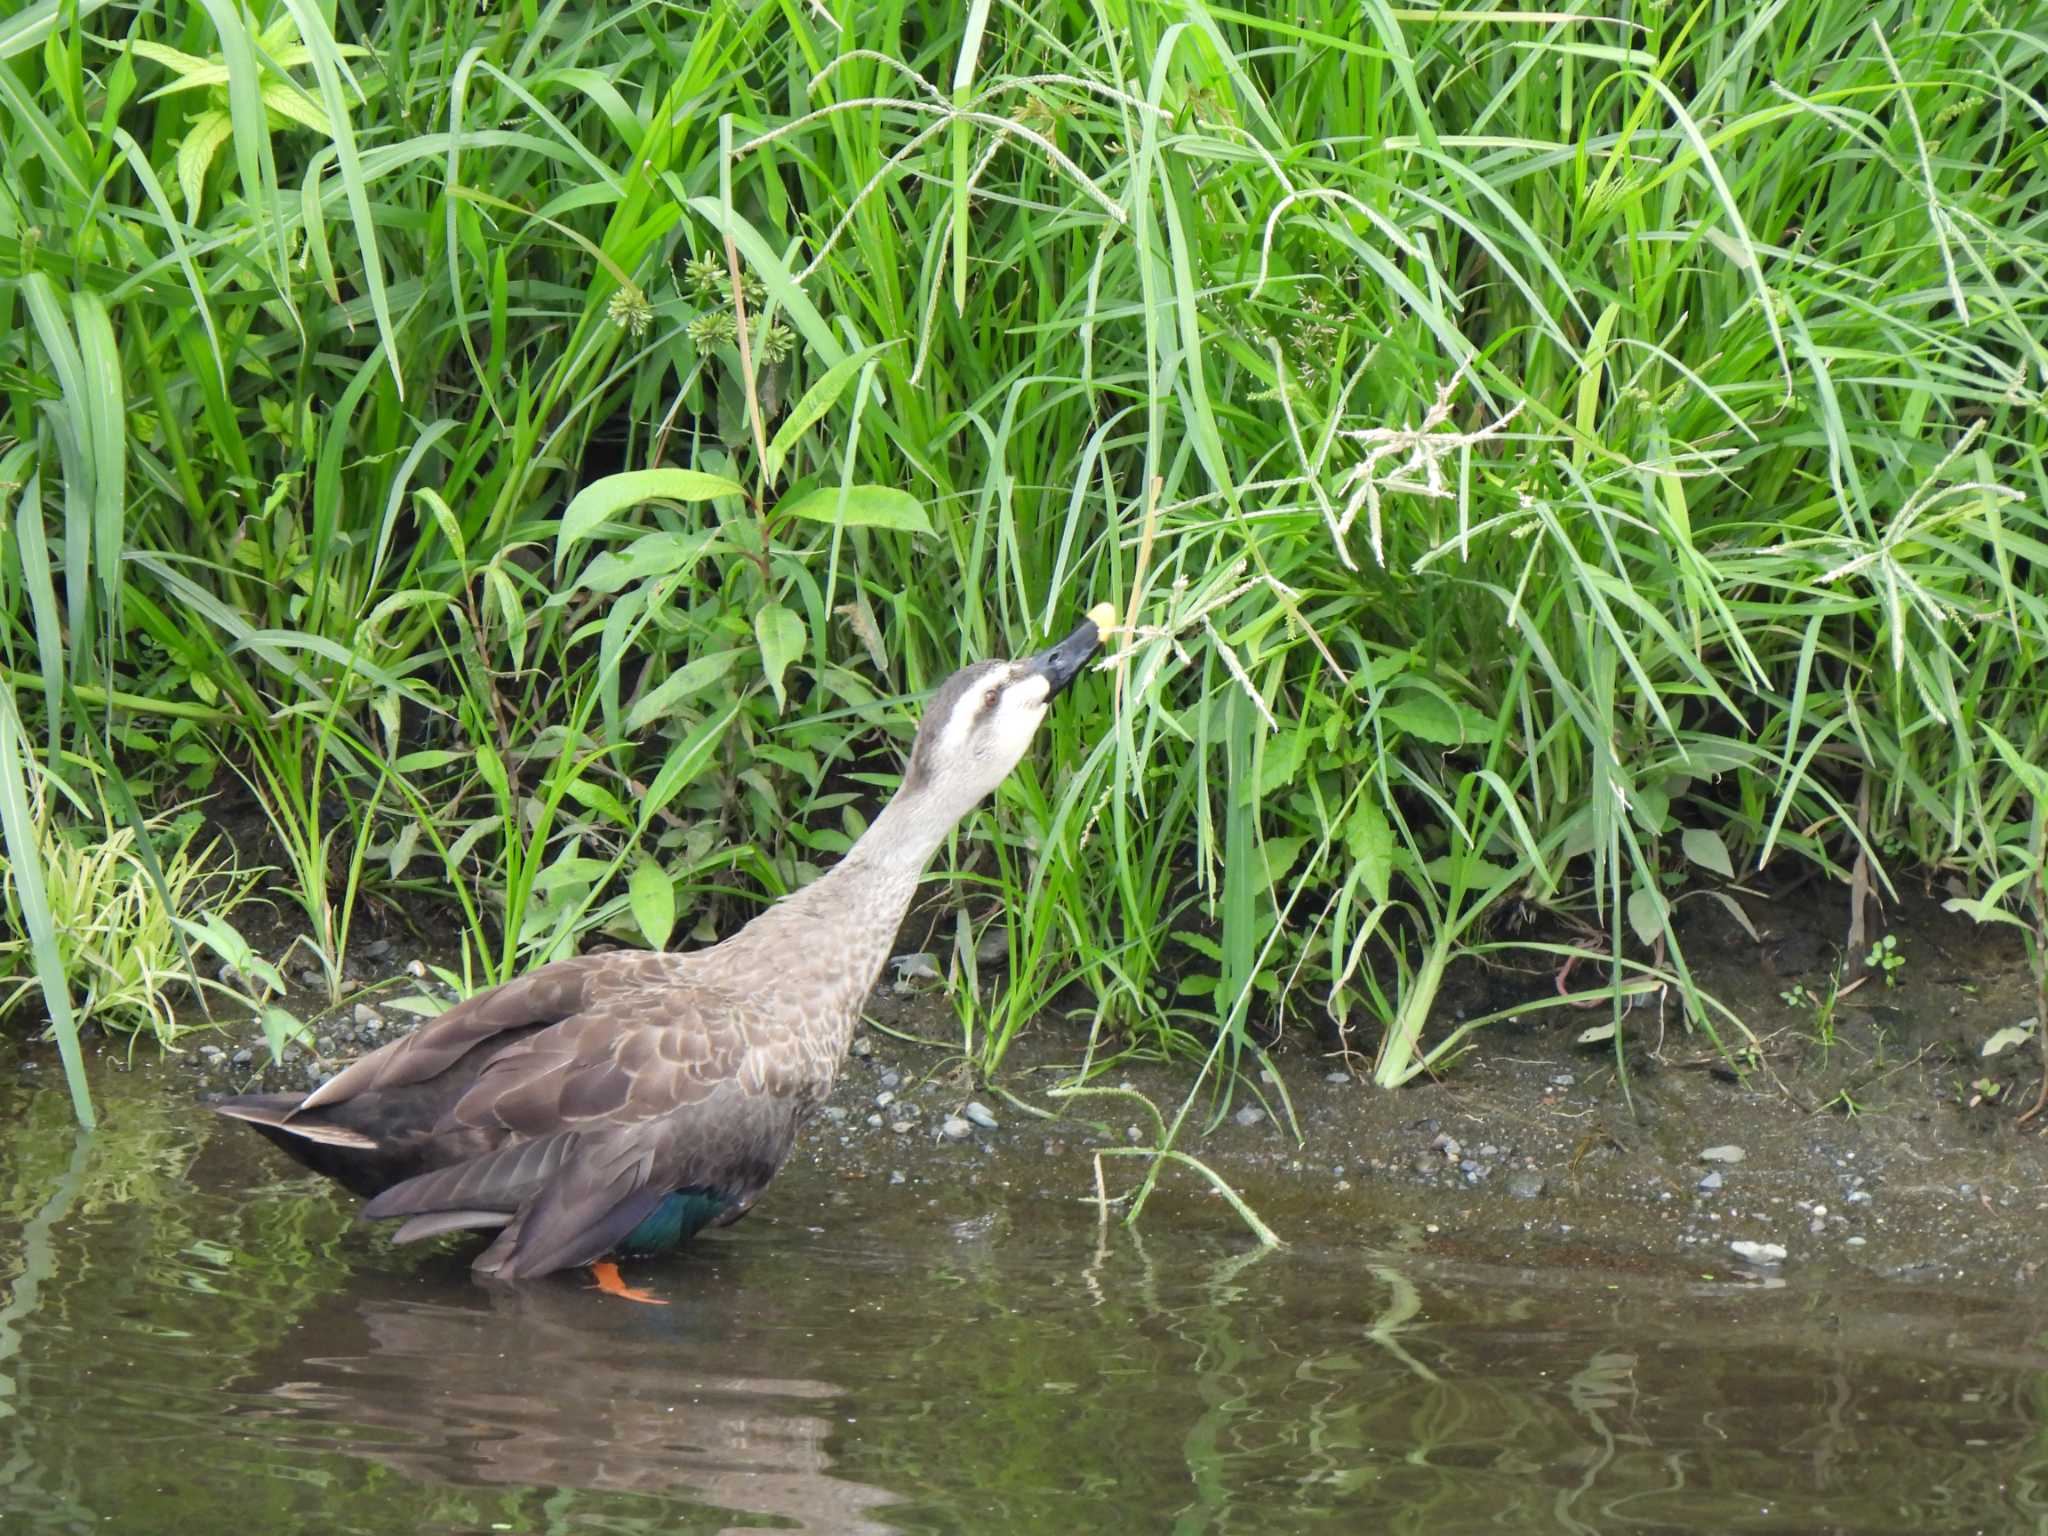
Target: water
x,y
195,1338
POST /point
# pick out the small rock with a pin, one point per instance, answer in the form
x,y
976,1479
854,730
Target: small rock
x,y
1337,1077
376,949
1729,1154
892,1079
955,1129
1759,1253
1133,1135
835,1114
1859,1197
978,1113
1563,1080
1489,1150
212,1055
874,1122
1854,1242
994,948
1448,1145
900,1127
1711,1182
1251,1114
1527,1184
1424,1163
367,1017
896,1176
243,1057
863,1047
884,1099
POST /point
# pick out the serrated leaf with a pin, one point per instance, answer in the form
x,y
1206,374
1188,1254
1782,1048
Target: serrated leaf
x,y
652,896
1646,909
782,635
1369,839
1280,761
203,140
816,401
288,101
1705,848
866,506
607,497
1427,716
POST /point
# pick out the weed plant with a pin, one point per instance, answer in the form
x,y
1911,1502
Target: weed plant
x,y
1571,459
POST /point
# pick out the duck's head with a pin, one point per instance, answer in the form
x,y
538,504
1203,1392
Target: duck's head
x,y
979,724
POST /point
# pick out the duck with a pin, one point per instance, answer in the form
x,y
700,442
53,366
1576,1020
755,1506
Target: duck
x,y
616,1104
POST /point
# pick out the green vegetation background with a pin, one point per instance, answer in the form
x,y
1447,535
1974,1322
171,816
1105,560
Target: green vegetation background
x,y
1580,458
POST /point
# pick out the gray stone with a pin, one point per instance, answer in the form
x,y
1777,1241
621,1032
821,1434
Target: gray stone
x,y
863,1047
1711,1182
835,1114
1251,1114
884,1099
243,1057
892,1079
978,1113
1527,1184
955,1128
900,1127
1730,1154
874,1122
1859,1197
367,1017
896,1176
1337,1077
1759,1253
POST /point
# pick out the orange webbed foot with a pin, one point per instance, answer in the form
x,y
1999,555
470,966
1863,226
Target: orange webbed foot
x,y
606,1274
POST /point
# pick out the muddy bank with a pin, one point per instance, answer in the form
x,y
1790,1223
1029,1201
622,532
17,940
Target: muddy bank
x,y
1863,1132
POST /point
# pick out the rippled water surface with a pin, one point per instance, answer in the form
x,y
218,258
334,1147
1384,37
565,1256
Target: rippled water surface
x,y
195,1338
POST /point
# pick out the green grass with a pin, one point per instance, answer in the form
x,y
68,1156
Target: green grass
x,y
1545,459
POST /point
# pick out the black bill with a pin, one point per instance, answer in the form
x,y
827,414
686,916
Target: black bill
x,y
1062,663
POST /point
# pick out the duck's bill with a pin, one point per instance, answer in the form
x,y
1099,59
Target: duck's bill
x,y
1062,663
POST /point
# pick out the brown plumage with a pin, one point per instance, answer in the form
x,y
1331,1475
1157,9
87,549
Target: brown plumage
x,y
620,1102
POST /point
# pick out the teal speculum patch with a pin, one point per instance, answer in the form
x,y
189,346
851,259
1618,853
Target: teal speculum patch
x,y
680,1216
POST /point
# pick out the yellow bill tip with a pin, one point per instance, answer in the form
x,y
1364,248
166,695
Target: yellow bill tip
x,y
1103,616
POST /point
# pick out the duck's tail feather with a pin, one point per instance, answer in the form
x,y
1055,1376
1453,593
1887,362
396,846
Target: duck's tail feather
x,y
273,1114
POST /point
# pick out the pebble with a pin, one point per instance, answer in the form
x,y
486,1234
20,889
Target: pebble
x,y
884,1099
900,1127
1528,1185
1251,1114
979,1114
1448,1145
1854,1242
874,1122
896,1176
1563,1080
1133,1135
376,949
892,1079
1337,1077
368,1017
863,1047
1711,1182
212,1055
1730,1154
955,1129
1859,1197
243,1057
1759,1253
835,1114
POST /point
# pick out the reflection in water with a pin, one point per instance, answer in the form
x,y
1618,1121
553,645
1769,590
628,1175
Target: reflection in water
x,y
548,1385
185,1331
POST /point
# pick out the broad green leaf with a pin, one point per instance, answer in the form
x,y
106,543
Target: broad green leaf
x,y
1427,716
867,506
684,683
782,637
282,1027
605,498
653,898
1646,913
817,400
1370,842
1280,761
1706,849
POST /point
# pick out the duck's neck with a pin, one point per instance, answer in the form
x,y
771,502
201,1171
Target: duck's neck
x,y
813,956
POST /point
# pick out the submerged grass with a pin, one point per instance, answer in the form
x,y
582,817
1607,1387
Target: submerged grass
x,y
1564,461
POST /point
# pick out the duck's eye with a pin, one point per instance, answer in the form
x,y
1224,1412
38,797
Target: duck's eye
x,y
988,700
